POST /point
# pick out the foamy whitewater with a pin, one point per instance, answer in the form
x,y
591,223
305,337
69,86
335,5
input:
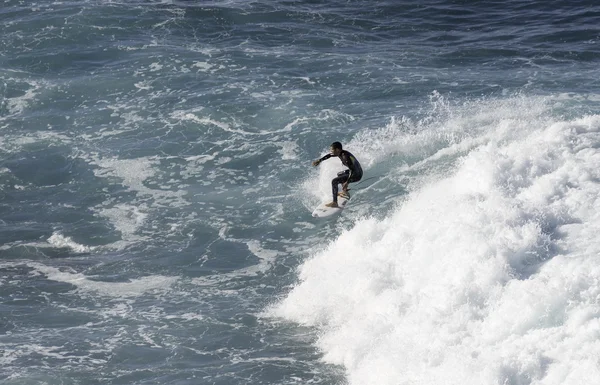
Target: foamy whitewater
x,y
486,273
156,192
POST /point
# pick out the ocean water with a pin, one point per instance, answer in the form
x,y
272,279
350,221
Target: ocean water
x,y
156,191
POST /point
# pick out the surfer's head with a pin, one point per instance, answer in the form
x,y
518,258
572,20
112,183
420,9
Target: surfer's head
x,y
336,148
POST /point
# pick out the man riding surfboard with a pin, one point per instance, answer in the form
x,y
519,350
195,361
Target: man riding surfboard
x,y
353,174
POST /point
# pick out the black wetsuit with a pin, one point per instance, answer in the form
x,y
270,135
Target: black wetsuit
x,y
353,174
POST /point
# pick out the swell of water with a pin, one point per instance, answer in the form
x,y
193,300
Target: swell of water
x,y
487,272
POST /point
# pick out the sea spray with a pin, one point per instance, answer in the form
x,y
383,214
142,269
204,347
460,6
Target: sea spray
x,y
487,274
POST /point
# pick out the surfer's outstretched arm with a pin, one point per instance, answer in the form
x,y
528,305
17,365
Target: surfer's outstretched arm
x,y
316,162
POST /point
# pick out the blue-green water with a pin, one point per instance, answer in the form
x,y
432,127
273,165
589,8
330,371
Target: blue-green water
x,y
156,191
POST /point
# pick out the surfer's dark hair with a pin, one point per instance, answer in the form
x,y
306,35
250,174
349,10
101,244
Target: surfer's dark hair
x,y
336,145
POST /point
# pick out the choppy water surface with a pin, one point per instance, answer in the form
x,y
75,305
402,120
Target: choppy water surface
x,y
156,193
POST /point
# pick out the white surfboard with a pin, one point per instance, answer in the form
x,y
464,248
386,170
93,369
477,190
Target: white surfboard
x,y
323,211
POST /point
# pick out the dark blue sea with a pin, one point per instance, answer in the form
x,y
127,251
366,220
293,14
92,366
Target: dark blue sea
x,y
156,192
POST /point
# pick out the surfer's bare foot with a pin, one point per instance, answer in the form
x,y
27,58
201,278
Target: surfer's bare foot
x,y
332,204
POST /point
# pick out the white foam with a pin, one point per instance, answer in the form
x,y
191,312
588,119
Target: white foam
x,y
202,66
18,104
155,67
288,150
143,85
487,274
259,251
133,174
182,115
132,288
59,240
126,219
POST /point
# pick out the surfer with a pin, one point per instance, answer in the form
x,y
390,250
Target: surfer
x,y
353,174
